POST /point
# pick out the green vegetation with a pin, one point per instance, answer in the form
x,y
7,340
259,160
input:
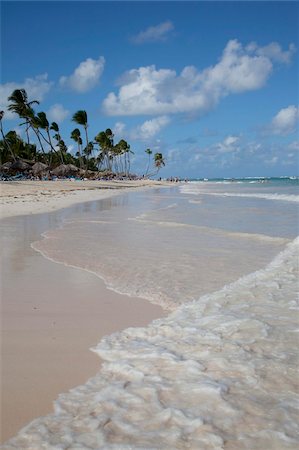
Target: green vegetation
x,y
44,143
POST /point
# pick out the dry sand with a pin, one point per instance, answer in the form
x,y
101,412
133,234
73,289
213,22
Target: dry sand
x,y
34,197
51,314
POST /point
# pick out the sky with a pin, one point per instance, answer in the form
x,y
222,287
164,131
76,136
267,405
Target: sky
x,y
213,86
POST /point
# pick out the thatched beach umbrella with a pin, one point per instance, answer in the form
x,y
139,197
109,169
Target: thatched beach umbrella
x,y
71,169
19,166
6,167
60,171
39,168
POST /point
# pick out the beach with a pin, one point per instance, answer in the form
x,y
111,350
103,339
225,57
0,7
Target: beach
x,y
215,264
35,197
51,315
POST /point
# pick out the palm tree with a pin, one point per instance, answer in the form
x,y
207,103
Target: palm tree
x,y
21,106
20,148
159,161
80,117
6,141
127,152
54,126
76,136
41,122
105,141
149,152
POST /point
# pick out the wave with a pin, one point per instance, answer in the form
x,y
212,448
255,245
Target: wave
x,y
214,231
188,189
217,373
280,197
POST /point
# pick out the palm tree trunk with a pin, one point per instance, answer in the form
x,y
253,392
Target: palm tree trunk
x,y
86,136
40,143
80,156
6,142
148,164
27,132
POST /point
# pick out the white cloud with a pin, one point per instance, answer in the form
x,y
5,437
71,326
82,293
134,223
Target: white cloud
x,y
36,89
275,52
149,128
57,113
228,145
119,129
154,34
148,90
85,76
144,132
285,122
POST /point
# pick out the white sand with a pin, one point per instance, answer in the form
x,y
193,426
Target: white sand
x,y
51,314
34,197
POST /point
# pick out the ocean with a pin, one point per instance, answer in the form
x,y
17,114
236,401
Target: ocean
x,y
221,370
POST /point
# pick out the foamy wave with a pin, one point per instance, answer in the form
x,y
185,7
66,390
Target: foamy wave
x,y
280,197
217,373
195,189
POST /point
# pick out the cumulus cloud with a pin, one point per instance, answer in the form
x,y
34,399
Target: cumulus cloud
x,y
148,90
149,128
285,122
86,76
144,132
36,89
274,52
57,113
156,33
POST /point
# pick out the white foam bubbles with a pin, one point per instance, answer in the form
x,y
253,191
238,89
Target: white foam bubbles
x,y
219,372
195,188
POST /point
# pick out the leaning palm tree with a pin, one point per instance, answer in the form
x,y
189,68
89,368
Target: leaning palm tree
x,y
20,105
149,152
54,127
159,161
76,136
6,141
80,117
41,123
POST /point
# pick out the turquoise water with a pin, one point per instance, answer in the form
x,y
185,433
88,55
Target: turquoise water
x,y
274,181
221,370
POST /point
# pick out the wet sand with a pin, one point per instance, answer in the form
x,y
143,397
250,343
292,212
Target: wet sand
x,y
51,316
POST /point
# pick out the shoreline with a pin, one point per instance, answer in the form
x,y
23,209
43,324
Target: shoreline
x,y
35,197
52,314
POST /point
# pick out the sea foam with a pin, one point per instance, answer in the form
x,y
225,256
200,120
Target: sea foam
x,y
197,188
220,372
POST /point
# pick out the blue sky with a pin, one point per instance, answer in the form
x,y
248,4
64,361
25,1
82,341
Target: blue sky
x,y
211,85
